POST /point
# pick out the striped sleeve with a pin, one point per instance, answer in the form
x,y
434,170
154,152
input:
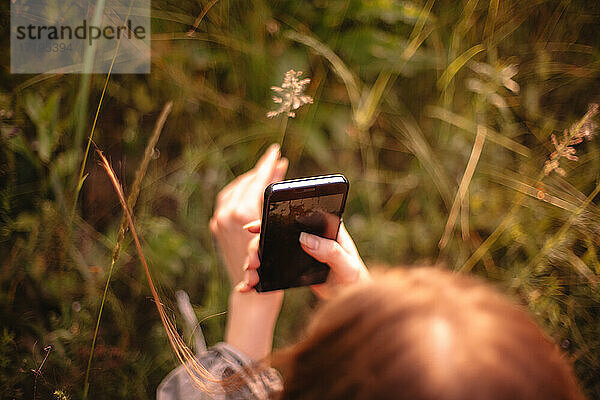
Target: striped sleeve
x,y
222,361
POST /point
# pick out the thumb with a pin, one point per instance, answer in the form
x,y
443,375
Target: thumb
x,y
328,251
280,170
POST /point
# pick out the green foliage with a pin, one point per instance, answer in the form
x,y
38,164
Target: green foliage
x,y
401,91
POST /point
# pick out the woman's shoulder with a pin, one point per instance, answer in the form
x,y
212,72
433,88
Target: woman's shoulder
x,y
222,361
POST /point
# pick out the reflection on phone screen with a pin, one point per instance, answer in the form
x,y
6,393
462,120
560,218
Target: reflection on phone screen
x,y
283,260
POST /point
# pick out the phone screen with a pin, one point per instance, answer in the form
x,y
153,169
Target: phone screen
x,y
283,263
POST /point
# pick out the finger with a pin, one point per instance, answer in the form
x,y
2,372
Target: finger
x,y
280,170
245,183
253,260
212,225
277,175
264,171
242,287
322,290
247,284
271,151
239,184
330,252
253,226
345,240
251,278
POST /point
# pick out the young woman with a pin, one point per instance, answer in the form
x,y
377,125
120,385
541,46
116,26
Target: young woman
x,y
420,333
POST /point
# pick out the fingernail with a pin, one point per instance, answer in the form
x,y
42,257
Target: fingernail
x,y
245,267
251,224
274,147
241,287
309,241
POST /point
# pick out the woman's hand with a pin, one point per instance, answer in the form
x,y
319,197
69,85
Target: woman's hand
x,y
341,255
240,202
252,316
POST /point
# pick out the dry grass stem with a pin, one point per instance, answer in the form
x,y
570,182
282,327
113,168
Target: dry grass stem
x,y
201,17
464,185
553,241
131,200
81,178
197,372
577,129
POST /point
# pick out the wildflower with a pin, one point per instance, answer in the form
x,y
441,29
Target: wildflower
x,y
290,95
582,129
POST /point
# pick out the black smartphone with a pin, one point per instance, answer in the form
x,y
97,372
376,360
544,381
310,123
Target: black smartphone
x,y
313,205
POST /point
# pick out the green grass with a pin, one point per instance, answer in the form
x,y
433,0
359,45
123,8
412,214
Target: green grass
x,y
401,92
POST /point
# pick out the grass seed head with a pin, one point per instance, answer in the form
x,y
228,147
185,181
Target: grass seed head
x,y
290,96
584,129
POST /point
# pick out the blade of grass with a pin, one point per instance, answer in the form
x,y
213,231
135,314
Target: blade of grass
x,y
131,200
407,131
490,240
457,64
366,113
553,241
582,268
91,136
202,15
196,371
81,103
488,31
516,184
464,186
352,83
158,14
470,126
459,31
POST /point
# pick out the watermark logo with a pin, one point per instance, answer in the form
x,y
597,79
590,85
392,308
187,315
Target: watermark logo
x,y
80,36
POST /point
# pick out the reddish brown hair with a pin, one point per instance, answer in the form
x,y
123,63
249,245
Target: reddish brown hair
x,y
420,334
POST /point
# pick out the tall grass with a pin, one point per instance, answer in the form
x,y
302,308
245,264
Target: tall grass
x,y
184,354
131,200
441,114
